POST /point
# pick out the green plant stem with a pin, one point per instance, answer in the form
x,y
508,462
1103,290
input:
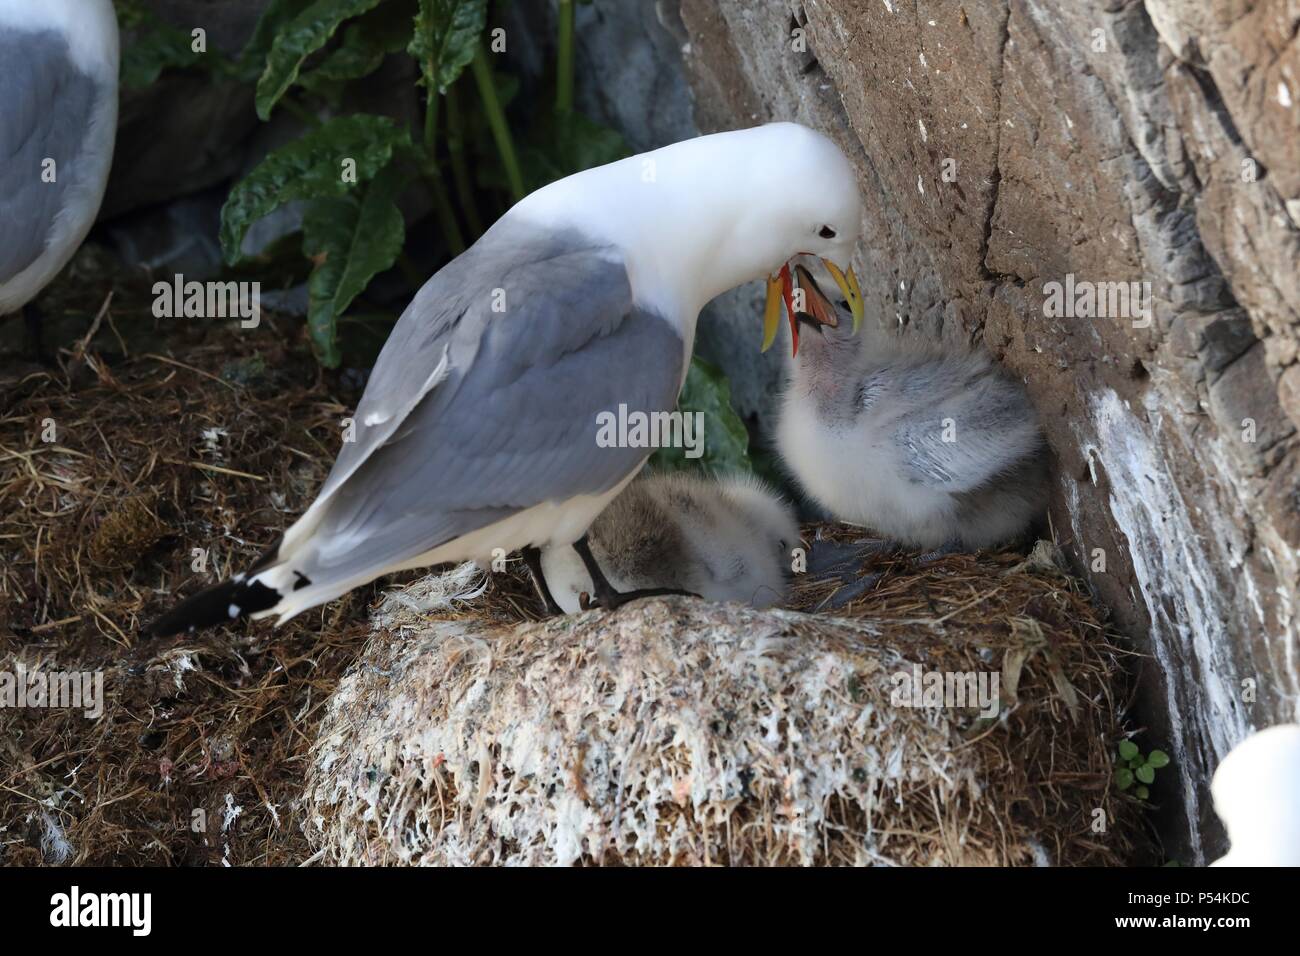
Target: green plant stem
x,y
442,209
431,123
496,118
564,60
433,174
459,170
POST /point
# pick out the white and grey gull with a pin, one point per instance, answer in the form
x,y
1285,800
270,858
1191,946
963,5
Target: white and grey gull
x,y
58,125
478,427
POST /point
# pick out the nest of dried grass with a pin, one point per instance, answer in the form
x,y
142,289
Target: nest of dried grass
x,y
679,732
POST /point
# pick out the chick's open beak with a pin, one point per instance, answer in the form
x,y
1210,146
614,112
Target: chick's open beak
x,y
807,303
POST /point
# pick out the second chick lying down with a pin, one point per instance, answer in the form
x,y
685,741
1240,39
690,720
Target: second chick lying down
x,y
725,540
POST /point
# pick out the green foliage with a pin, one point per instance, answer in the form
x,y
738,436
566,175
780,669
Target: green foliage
x,y
298,39
726,440
310,168
1136,772
446,35
156,46
352,239
303,57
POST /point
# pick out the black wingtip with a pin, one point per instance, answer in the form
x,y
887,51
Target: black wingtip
x,y
213,606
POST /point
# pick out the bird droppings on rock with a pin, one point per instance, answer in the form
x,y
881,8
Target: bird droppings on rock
x,y
675,731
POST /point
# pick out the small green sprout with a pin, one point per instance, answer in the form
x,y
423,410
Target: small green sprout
x,y
1133,768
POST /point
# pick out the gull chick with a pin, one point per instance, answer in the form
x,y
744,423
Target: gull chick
x,y
931,447
58,123
480,430
1256,793
725,540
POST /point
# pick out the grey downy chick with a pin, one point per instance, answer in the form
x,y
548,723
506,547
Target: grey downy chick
x,y
726,540
932,447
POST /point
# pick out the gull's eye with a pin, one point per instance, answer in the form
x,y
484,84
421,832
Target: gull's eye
x,y
827,232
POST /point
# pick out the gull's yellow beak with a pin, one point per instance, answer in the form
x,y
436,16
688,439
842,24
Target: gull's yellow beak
x,y
848,283
772,310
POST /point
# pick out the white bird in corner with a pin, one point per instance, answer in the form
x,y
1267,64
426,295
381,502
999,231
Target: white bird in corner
x,y
1256,793
58,125
933,448
725,540
478,428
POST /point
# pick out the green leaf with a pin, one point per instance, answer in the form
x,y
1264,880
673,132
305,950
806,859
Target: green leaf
x,y
309,168
1127,749
726,440
152,45
351,240
1142,793
1158,759
365,43
1145,774
1123,778
273,19
298,39
446,33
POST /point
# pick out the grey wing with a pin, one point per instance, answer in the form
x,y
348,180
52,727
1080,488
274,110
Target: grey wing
x,y
45,109
514,420
981,428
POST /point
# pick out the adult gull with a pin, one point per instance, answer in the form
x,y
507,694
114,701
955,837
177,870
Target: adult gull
x,y
477,433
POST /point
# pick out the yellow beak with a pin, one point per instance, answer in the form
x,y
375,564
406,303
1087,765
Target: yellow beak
x,y
772,310
848,283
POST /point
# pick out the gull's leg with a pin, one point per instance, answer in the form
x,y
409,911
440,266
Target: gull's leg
x,y
533,558
606,596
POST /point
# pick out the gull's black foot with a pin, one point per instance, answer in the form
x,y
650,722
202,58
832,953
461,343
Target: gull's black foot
x,y
606,596
612,599
533,559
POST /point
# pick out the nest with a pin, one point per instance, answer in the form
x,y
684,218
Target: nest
x,y
677,732
179,453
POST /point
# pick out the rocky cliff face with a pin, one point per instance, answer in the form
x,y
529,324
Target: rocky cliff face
x,y
1005,147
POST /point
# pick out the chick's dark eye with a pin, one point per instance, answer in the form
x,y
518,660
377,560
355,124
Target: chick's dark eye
x,y
827,232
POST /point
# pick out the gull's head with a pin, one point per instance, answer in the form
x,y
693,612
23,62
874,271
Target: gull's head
x,y
705,215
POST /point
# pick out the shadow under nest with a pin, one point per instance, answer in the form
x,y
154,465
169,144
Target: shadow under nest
x,y
169,439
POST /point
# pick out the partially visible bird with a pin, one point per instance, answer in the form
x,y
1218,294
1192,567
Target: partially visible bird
x,y
483,425
1256,791
725,540
58,124
931,447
